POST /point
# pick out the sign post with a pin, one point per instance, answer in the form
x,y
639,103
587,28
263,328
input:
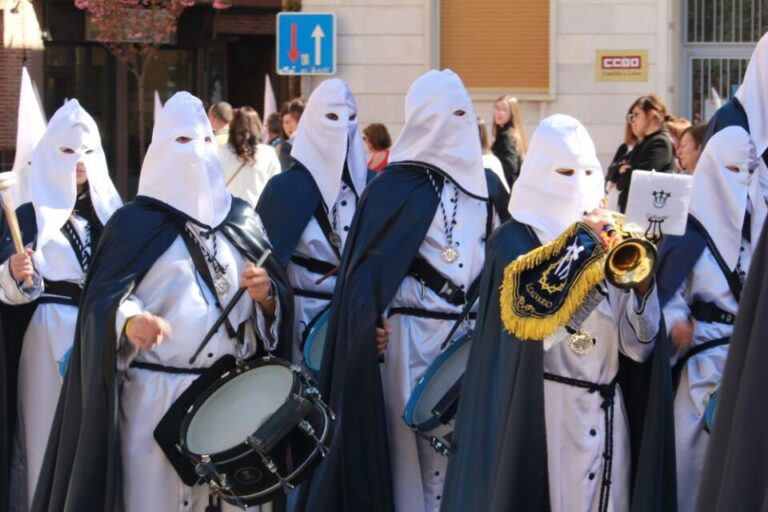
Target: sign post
x,y
306,43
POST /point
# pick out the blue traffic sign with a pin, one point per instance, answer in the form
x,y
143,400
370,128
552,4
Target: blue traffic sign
x,y
306,43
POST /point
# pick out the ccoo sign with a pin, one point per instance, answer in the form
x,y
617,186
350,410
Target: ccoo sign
x,y
629,62
621,66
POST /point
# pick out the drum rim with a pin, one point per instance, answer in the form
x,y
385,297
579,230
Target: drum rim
x,y
309,463
306,345
241,447
410,407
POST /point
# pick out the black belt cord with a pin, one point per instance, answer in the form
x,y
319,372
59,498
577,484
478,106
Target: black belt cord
x,y
696,350
426,313
167,369
608,394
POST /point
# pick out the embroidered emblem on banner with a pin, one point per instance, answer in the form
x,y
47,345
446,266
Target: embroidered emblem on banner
x,y
542,289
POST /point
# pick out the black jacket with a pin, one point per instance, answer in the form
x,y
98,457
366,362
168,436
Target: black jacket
x,y
654,152
623,153
506,151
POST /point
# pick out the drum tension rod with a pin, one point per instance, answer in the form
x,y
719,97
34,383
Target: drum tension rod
x,y
257,447
217,482
310,432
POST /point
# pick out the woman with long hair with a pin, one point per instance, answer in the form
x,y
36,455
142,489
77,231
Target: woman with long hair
x,y
655,150
510,143
620,159
247,164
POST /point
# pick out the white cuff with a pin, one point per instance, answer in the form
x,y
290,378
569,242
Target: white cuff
x,y
268,335
14,292
126,352
644,313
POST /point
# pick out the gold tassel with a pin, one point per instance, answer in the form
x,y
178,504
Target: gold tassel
x,y
529,327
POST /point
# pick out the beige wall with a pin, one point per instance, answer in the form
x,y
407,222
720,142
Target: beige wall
x,y
385,45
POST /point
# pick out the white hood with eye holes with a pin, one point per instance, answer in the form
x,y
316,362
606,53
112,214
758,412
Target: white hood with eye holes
x,y
71,137
719,196
328,134
186,176
550,201
441,130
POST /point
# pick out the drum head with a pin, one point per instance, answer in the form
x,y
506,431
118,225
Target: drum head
x,y
235,410
315,341
441,375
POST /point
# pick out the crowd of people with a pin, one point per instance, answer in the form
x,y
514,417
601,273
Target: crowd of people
x,y
245,240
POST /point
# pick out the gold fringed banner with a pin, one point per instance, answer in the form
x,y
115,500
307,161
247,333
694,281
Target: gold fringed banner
x,y
536,310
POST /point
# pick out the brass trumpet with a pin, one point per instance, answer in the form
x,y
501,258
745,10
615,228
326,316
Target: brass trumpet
x,y
632,259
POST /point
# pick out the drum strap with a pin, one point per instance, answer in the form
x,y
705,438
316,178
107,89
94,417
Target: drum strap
x,y
710,313
313,265
311,294
322,219
608,394
429,276
202,268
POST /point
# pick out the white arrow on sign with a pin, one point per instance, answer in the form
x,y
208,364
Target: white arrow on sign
x,y
318,36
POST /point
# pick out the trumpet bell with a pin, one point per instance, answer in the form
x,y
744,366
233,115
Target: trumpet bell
x,y
630,262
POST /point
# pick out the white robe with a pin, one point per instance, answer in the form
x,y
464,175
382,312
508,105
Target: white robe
x,y
575,421
172,290
418,471
703,372
49,336
247,180
314,244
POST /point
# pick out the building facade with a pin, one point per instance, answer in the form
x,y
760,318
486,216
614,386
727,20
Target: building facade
x,y
553,55
587,58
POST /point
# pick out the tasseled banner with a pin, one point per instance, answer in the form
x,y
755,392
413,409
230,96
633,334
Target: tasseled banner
x,y
520,317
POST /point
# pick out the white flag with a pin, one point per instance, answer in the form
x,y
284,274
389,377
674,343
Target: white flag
x,y
158,106
658,202
30,129
270,106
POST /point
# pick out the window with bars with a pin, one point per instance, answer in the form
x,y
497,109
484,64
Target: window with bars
x,y
726,21
719,38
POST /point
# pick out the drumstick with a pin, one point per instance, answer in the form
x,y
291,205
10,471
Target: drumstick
x,y
226,311
332,272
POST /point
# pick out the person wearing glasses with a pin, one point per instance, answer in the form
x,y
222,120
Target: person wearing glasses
x,y
654,151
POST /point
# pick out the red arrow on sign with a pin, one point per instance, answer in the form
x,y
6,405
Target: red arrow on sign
x,y
293,53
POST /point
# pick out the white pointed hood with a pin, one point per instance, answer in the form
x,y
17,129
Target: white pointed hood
x,y
186,176
550,201
752,95
71,137
329,133
29,131
434,133
719,195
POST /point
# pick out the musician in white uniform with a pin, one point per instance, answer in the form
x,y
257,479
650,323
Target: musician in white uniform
x,y
727,214
167,265
72,197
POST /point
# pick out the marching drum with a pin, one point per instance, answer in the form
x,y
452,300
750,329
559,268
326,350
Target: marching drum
x,y
255,432
431,409
313,342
